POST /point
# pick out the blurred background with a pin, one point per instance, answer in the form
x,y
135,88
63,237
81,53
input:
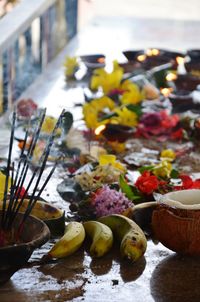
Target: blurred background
x,y
159,9
34,33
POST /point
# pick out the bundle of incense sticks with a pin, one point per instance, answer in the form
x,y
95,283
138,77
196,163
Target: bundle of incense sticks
x,y
13,198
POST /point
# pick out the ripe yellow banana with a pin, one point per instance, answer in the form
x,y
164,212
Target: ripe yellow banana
x,y
101,235
133,242
70,242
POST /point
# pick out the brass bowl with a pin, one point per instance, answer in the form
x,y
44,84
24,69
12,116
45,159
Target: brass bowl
x,y
35,233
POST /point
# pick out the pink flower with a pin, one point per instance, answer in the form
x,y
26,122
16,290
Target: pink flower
x,y
108,201
159,124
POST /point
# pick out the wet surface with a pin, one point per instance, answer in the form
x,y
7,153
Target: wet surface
x,y
159,276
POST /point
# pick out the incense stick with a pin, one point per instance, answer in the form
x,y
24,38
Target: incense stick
x,y
14,204
24,163
8,167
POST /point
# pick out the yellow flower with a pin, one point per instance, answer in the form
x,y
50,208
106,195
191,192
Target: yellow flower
x,y
2,184
107,81
132,94
92,111
70,64
49,124
163,169
125,117
110,159
117,147
168,155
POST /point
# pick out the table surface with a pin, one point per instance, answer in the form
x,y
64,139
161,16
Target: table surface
x,y
160,275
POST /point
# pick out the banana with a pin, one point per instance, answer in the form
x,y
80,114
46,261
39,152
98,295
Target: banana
x,y
101,235
70,242
133,242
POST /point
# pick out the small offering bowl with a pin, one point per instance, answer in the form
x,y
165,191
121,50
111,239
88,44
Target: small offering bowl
x,y
176,221
181,101
187,82
94,61
115,132
13,257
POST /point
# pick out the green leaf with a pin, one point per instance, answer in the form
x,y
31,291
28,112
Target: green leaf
x,y
127,189
174,174
67,121
145,168
107,116
135,108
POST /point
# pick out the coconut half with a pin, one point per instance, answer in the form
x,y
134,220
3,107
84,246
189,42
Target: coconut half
x,y
184,199
176,221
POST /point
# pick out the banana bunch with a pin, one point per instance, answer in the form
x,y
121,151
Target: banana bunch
x,y
70,242
101,235
133,242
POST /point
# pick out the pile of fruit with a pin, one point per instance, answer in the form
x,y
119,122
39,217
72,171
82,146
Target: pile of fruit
x,y
131,238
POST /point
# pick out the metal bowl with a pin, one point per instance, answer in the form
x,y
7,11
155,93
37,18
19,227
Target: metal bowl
x,y
13,257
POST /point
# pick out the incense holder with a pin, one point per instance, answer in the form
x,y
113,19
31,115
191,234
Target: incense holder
x,y
13,257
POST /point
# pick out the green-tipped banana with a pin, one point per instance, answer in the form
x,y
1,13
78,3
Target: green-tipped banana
x,y
101,235
133,242
70,242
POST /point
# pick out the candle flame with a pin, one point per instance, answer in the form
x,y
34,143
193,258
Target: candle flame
x,y
152,52
171,76
180,60
101,60
141,58
166,91
99,129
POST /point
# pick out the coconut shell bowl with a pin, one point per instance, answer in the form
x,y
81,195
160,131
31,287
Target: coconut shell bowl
x,y
176,221
15,255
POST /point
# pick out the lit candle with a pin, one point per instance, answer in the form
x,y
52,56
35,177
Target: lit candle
x,y
166,91
99,129
152,52
141,58
181,66
171,77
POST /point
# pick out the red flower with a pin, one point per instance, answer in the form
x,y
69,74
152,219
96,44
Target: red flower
x,y
147,183
22,192
168,121
178,134
196,184
188,183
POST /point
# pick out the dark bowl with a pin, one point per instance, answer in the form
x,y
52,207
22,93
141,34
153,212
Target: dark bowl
x,y
194,54
193,66
181,101
114,132
154,61
186,82
131,55
171,54
13,257
94,61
